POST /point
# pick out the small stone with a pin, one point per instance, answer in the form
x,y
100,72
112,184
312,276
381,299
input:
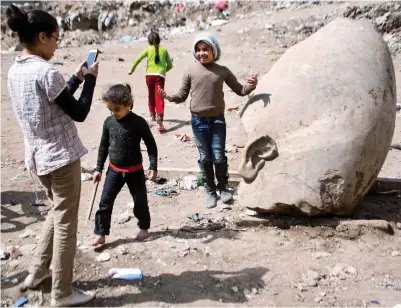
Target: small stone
x,y
14,280
123,218
235,289
395,253
310,282
313,275
15,253
123,250
398,225
103,257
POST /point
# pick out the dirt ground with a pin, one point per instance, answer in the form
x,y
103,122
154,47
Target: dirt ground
x,y
228,258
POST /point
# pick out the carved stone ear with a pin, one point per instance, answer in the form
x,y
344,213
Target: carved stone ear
x,y
255,154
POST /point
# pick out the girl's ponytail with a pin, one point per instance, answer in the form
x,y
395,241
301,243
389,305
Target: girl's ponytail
x,y
154,39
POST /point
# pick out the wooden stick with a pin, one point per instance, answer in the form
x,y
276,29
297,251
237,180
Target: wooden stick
x,y
91,202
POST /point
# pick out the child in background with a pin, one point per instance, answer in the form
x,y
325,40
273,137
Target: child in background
x,y
204,79
159,63
122,134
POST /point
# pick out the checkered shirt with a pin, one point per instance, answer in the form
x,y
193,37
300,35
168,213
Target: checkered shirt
x,y
50,135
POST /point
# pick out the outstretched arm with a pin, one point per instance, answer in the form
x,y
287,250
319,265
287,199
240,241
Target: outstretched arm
x,y
141,56
238,88
182,94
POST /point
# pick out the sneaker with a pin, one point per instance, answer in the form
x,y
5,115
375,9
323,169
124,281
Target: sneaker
x,y
211,200
226,196
32,282
77,298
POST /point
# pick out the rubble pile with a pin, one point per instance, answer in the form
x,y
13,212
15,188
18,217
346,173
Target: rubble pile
x,y
386,18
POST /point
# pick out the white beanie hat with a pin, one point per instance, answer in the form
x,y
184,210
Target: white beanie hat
x,y
209,39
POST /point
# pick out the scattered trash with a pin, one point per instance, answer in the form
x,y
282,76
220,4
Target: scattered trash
x,y
231,148
235,289
375,302
38,202
398,107
126,273
85,177
195,217
251,213
189,182
58,63
167,192
395,253
233,108
4,254
20,302
219,22
121,60
160,180
127,39
184,137
103,257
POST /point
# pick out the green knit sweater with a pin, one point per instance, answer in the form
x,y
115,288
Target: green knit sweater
x,y
161,68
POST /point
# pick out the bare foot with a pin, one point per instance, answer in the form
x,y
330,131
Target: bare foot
x,y
142,235
99,240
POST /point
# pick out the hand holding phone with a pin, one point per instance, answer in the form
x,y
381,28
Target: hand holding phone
x,y
92,57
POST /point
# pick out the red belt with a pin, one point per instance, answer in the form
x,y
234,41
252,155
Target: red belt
x,y
127,169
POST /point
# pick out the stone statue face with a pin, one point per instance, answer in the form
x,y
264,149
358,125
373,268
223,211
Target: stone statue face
x,y
320,123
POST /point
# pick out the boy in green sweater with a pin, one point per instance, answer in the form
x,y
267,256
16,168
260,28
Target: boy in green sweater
x,y
159,63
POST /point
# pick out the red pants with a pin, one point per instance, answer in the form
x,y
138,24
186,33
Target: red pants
x,y
155,102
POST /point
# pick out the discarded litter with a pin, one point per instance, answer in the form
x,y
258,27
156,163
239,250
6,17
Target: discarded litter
x,y
375,302
85,177
184,137
127,39
20,302
126,273
195,217
398,107
233,108
167,192
160,180
121,60
189,182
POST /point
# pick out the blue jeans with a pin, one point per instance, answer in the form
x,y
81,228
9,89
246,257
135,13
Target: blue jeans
x,y
210,138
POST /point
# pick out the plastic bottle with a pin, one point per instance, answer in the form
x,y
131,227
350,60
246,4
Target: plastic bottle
x,y
126,273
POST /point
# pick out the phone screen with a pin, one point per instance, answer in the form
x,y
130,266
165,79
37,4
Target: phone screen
x,y
91,58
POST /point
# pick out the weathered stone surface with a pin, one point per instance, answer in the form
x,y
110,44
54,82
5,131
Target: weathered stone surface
x,y
320,124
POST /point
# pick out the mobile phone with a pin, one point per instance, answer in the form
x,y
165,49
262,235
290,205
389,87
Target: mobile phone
x,y
92,57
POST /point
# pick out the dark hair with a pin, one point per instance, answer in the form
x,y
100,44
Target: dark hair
x,y
154,39
29,24
119,94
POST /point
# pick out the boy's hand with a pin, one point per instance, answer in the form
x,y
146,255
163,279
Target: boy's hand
x,y
253,81
97,176
151,174
163,93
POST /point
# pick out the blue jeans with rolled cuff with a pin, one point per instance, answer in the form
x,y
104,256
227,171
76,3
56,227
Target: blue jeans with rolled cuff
x,y
210,139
